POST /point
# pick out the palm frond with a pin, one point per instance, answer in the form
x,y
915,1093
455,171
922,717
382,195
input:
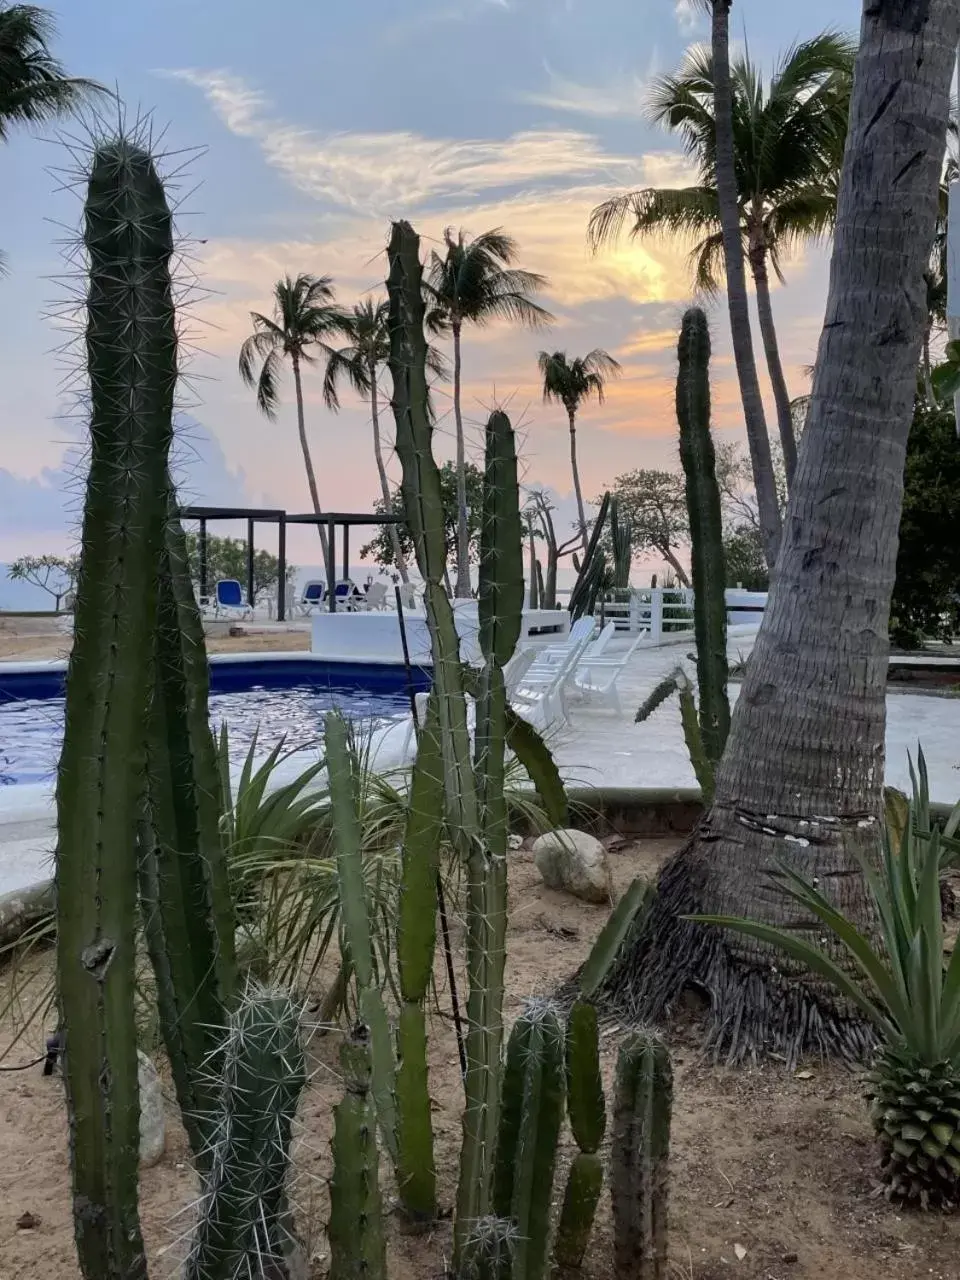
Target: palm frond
x,y
33,84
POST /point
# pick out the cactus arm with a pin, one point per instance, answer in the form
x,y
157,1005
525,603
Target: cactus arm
x,y
590,573
585,1103
242,1220
189,931
357,1249
536,1153
500,604
416,940
580,1199
639,1158
632,907
511,1110
131,347
693,728
355,921
708,570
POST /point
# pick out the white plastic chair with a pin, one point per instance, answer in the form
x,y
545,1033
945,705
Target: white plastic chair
x,y
541,694
376,595
595,678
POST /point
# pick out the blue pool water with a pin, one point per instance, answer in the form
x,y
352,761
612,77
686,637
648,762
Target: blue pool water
x,y
272,699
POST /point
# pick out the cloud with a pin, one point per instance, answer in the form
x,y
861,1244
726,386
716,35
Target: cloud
x,y
688,15
619,96
394,172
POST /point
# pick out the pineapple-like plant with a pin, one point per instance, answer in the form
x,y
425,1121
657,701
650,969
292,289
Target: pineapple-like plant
x,y
902,984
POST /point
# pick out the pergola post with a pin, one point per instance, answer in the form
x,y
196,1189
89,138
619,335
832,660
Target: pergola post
x,y
251,592
203,558
282,569
346,552
331,567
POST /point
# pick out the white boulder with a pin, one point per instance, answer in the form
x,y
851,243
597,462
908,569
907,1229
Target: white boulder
x,y
575,862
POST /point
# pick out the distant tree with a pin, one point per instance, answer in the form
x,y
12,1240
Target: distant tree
x,y
926,595
56,575
227,558
305,319
570,382
655,504
381,547
744,558
474,282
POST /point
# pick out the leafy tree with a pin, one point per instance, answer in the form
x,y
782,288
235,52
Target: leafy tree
x,y
787,149
305,318
926,595
34,87
381,547
570,382
227,558
655,503
475,282
56,575
743,555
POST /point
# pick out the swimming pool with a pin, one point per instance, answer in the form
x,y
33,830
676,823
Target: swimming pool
x,y
277,697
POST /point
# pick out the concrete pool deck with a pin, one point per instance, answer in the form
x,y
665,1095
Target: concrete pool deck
x,y
598,747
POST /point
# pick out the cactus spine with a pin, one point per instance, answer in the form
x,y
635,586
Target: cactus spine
x,y
184,894
131,347
344,801
639,1158
357,1250
243,1221
588,1119
489,1250
533,1087
416,939
706,533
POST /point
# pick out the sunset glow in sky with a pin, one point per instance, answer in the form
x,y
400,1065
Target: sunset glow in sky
x,y
321,122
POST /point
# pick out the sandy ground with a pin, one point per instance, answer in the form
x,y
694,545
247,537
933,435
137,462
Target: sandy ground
x,y
25,647
772,1173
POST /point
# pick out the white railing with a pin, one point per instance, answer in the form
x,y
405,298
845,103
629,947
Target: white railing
x,y
665,614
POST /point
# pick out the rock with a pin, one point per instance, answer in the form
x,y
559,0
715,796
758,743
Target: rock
x,y
153,1132
575,862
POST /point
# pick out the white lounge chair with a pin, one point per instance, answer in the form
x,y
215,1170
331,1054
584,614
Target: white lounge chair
x,y
376,595
595,678
541,695
582,631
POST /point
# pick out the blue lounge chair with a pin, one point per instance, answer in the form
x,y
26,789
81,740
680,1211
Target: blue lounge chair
x,y
314,594
229,601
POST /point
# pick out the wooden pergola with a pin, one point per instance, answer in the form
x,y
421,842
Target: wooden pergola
x,y
266,515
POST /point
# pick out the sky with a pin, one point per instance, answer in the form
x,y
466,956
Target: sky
x,y
299,130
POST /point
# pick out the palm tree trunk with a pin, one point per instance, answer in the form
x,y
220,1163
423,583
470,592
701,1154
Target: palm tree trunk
x,y
727,200
307,460
581,516
771,349
463,528
398,557
801,779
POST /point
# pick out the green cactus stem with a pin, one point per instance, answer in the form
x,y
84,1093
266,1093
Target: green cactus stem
x,y
591,572
585,1102
532,1113
639,1158
131,344
708,570
243,1222
184,892
357,1249
621,542
580,1200
416,940
355,924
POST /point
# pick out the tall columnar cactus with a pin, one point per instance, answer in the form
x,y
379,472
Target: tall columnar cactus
x,y
588,1119
621,542
706,531
357,1250
184,890
533,1087
639,1158
355,924
243,1224
131,344
591,573
416,940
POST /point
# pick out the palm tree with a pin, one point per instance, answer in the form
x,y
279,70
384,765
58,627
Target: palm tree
x,y
475,282
800,783
785,138
570,383
34,87
305,317
359,362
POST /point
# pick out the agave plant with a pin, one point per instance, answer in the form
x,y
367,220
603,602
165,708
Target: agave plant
x,y
901,984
